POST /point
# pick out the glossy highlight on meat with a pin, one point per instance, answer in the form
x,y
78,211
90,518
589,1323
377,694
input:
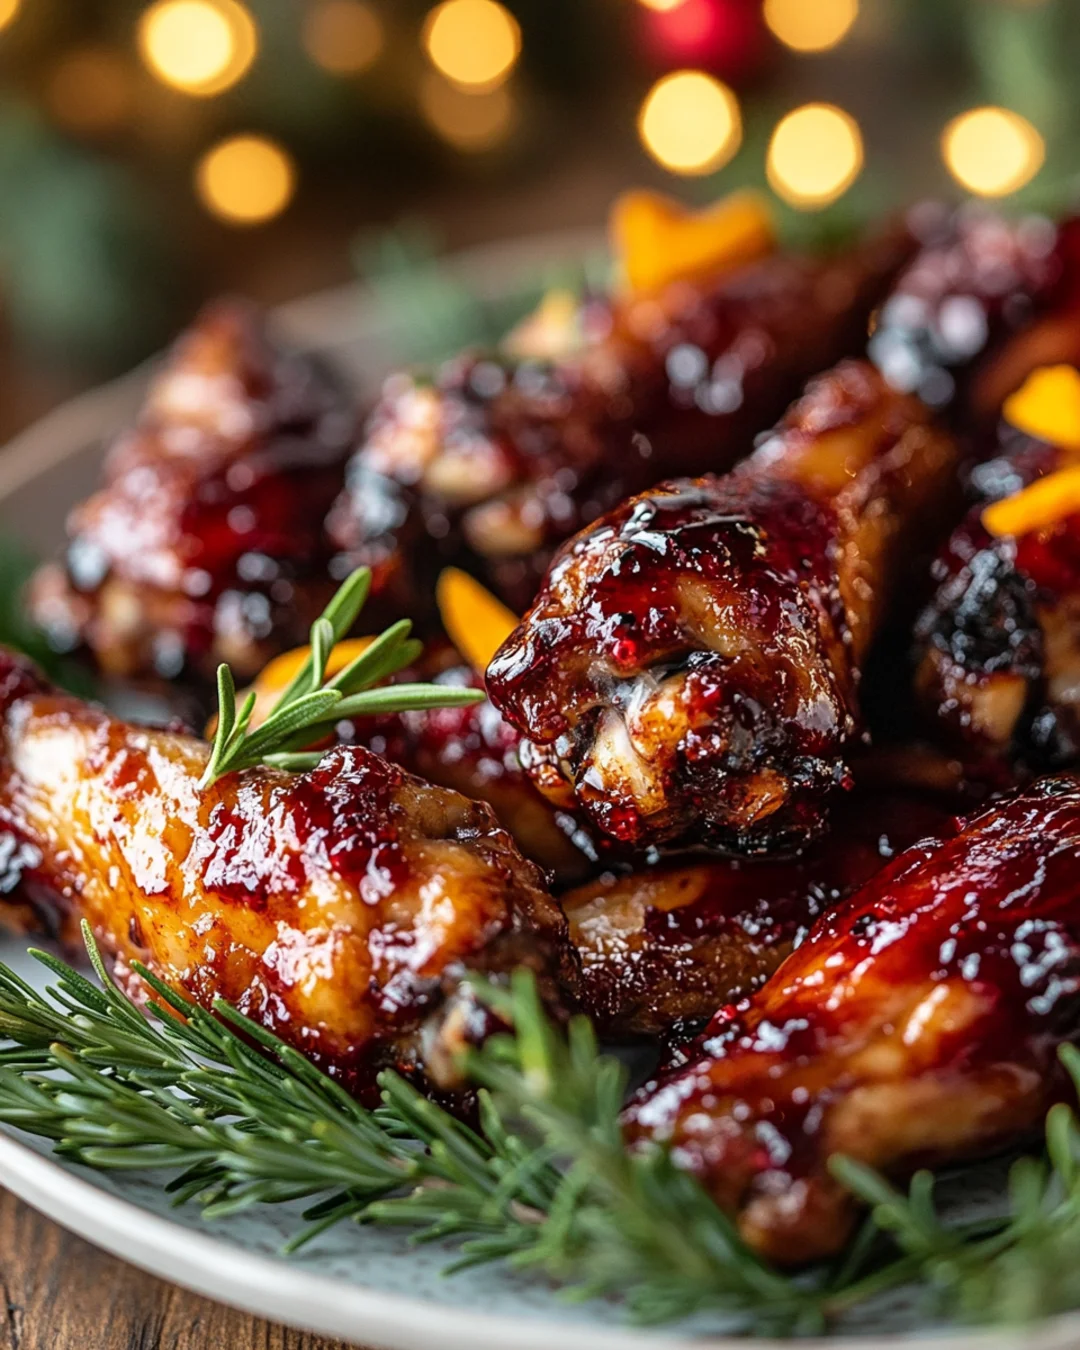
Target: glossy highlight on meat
x,y
206,543
494,460
977,279
690,668
339,908
662,947
916,1025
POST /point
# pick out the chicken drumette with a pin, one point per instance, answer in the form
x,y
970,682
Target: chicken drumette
x,y
495,459
339,908
690,668
206,542
916,1025
662,947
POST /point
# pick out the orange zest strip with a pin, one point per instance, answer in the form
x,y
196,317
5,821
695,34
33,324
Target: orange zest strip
x,y
656,240
1047,406
475,621
1045,502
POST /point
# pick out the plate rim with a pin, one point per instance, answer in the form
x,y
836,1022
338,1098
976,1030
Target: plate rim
x,y
205,1263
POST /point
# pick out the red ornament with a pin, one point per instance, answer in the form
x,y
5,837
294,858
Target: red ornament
x,y
727,37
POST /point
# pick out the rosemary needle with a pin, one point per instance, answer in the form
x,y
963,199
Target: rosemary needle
x,y
311,705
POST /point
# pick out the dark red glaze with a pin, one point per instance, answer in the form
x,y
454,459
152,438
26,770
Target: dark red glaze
x,y
497,459
917,1024
338,908
662,947
690,667
998,645
976,279
206,542
474,750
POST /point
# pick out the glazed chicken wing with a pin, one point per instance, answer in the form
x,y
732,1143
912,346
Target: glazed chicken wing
x,y
690,668
998,645
496,460
206,542
916,1025
339,908
661,948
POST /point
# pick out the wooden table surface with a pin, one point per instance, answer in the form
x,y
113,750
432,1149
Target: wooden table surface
x,y
60,1293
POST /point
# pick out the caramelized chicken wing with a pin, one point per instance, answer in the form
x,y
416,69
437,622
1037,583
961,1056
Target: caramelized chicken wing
x,y
690,668
977,279
495,460
206,542
916,1025
662,947
339,908
998,646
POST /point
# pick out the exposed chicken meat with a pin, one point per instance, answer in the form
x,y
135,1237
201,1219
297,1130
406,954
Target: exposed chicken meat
x,y
663,947
497,460
206,542
916,1025
690,668
339,908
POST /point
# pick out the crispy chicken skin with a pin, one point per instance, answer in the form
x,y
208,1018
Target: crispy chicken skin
x,y
495,460
917,1024
690,668
205,543
338,908
662,947
998,645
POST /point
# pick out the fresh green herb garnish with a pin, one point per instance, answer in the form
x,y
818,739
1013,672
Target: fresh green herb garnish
x,y
311,705
544,1183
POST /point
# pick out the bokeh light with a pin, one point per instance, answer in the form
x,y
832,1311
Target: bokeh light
x,y
345,37
245,180
201,47
475,43
89,90
992,151
811,25
662,6
8,10
467,121
814,156
690,122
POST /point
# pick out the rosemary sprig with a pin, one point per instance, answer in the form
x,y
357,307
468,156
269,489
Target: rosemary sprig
x,y
544,1183
309,708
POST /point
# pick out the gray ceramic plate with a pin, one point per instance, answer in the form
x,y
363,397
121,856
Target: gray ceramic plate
x,y
360,1284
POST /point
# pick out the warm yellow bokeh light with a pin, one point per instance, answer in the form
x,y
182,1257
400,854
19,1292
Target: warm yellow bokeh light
x,y
245,180
8,11
89,90
811,25
992,151
343,36
475,43
690,122
199,46
663,6
814,156
467,121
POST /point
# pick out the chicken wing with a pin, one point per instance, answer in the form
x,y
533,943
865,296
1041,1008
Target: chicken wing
x,y
339,908
662,947
505,458
998,645
690,668
206,542
917,1024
